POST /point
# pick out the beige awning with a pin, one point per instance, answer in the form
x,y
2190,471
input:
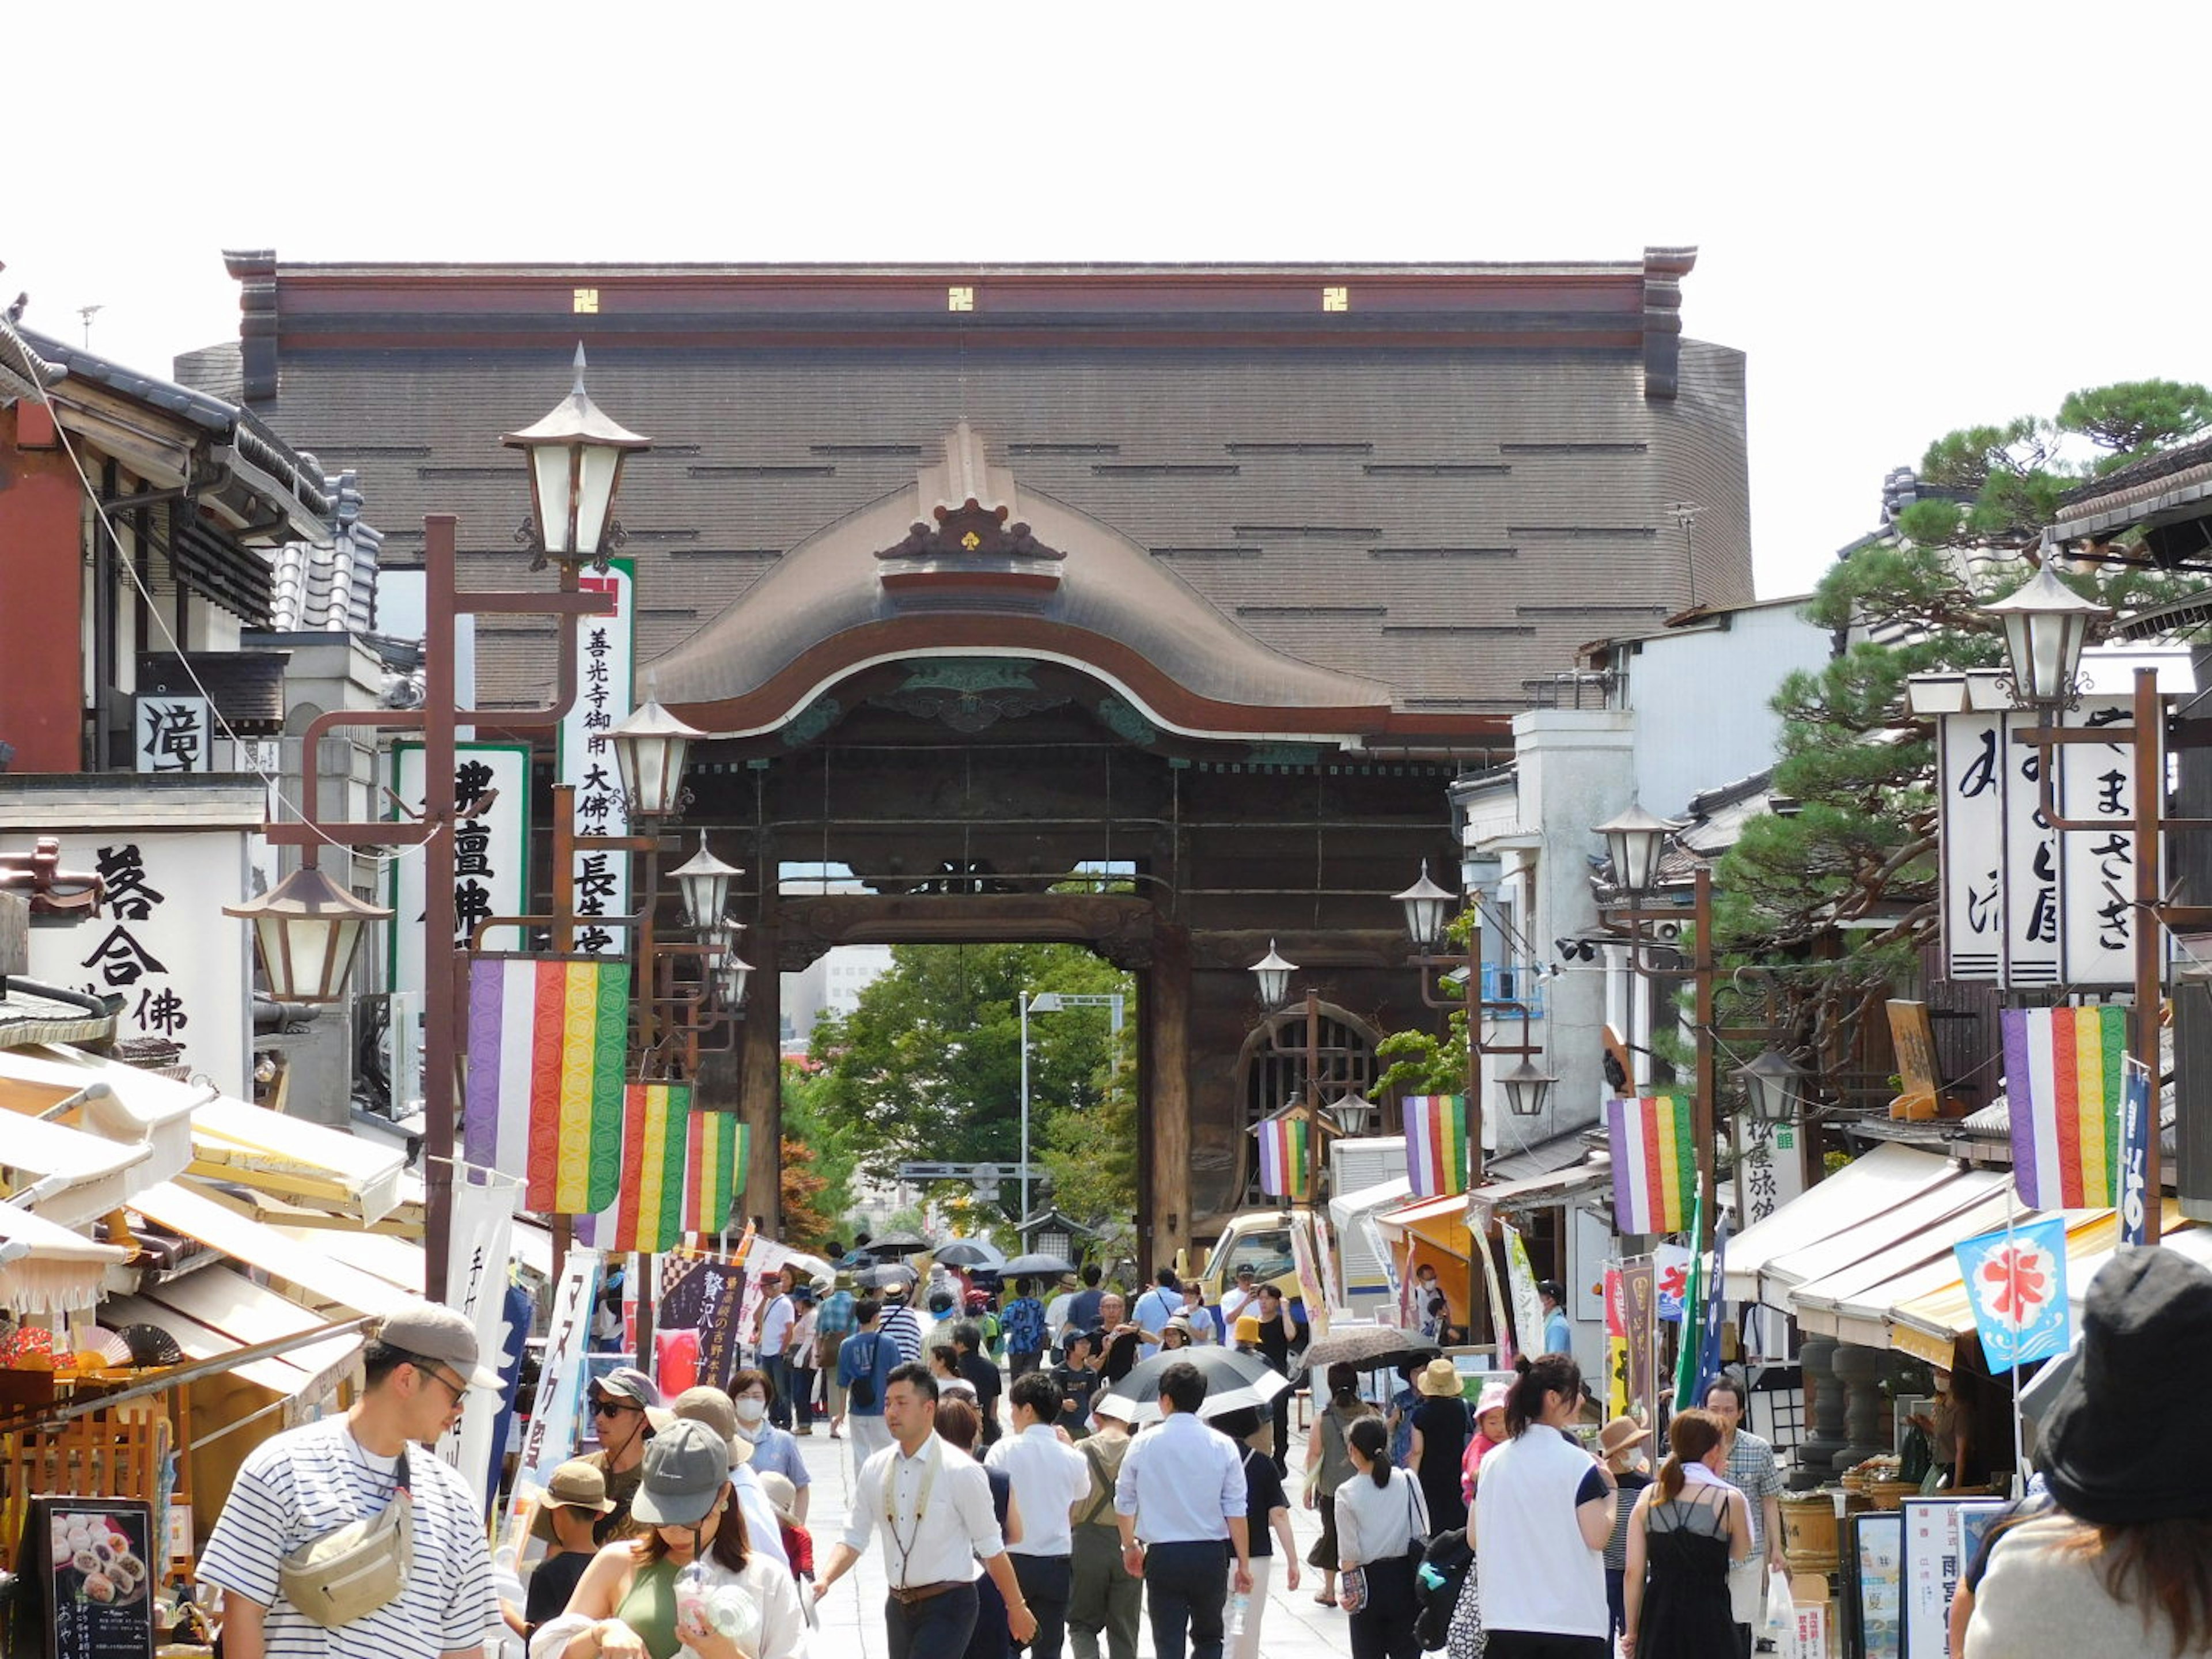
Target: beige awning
x,y
321,1279
82,1177
397,1261
216,1311
289,1157
1881,1180
1926,1214
139,1105
45,1268
1852,1303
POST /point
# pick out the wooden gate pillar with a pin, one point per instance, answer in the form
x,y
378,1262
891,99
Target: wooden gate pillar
x,y
760,1070
1163,1108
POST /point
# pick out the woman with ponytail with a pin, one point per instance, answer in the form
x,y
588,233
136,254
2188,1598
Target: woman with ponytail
x,y
1329,1465
1689,1525
1382,1523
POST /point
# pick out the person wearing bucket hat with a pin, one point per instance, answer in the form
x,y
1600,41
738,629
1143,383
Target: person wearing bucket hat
x,y
574,1498
1620,1443
1441,1425
643,1596
306,1483
2123,1563
798,1542
715,1408
1489,1433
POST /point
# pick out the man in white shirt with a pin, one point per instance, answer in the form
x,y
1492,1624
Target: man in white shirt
x,y
1240,1298
1057,1311
1182,1491
933,1505
776,1320
1049,1478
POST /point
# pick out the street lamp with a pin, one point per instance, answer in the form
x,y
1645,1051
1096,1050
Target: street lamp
x,y
1773,1086
1527,1088
704,882
2045,624
649,748
1634,841
307,928
1425,903
576,455
1054,1002
1352,1112
1274,974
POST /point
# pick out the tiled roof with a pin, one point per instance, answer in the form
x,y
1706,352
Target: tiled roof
x,y
332,588
2149,469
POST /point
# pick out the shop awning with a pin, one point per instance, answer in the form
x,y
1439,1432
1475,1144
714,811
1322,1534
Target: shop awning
x,y
1540,1160
1785,1275
322,1277
216,1311
84,1175
138,1106
1852,1304
44,1268
397,1261
256,1147
1881,1180
1561,1185
1438,1221
1389,1195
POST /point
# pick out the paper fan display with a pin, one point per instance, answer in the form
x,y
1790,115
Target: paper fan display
x,y
149,1345
111,1348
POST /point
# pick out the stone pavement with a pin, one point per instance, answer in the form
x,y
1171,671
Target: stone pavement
x,y
1294,1627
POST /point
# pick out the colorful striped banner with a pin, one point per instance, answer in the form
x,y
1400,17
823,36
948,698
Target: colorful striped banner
x,y
1436,1143
547,1038
1282,1157
1654,1162
2063,1081
656,1126
718,1144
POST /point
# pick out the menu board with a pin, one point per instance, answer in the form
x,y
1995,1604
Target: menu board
x,y
1941,1536
1874,1576
88,1566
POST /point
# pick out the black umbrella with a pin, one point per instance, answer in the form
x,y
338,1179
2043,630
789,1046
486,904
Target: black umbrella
x,y
1233,1381
1370,1347
884,1275
1036,1264
967,1252
897,1244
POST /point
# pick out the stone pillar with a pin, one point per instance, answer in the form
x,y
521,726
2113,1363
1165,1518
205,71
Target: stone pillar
x,y
1165,1114
1860,1372
1814,1462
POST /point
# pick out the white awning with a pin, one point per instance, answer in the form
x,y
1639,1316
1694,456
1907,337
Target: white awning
x,y
217,1311
139,1106
45,1268
1878,1180
257,1147
1383,1194
322,1279
85,1175
1853,1304
398,1262
1780,1280
1540,1192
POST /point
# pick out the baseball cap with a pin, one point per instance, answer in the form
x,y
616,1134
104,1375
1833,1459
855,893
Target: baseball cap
x,y
428,1331
627,1382
687,1466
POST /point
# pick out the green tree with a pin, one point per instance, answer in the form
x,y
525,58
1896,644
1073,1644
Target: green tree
x,y
830,1156
928,1064
1090,1151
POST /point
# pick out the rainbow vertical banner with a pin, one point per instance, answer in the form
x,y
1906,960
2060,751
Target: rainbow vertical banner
x,y
2063,1081
1283,1156
1654,1162
716,1145
1436,1143
656,1132
543,1104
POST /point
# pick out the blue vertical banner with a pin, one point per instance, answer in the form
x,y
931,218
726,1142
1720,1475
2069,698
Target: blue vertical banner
x,y
2134,1152
1715,1306
2016,1284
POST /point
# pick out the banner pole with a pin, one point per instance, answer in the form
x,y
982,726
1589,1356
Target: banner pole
x,y
2011,1265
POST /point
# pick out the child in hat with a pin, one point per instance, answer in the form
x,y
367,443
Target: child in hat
x,y
575,1498
798,1542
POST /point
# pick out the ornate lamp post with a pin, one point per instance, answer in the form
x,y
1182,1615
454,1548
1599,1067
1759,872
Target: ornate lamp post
x,y
306,930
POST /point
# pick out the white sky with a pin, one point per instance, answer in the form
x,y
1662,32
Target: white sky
x,y
1911,217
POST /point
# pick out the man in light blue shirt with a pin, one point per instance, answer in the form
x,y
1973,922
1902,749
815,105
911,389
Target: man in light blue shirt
x,y
1155,1308
1558,1335
1182,1491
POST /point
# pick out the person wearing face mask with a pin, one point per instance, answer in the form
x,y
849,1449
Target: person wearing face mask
x,y
1621,1443
775,1450
642,1599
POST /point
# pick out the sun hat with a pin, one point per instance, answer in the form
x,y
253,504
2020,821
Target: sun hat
x,y
2148,1316
710,1406
1177,1322
1618,1435
780,1495
1247,1328
1440,1380
1492,1399
686,1468
578,1483
627,1382
438,1334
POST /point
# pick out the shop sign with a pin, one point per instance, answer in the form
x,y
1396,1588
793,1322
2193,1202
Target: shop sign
x,y
606,657
491,855
90,1570
173,735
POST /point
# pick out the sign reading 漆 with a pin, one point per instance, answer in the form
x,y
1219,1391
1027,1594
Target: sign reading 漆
x,y
490,874
173,735
606,659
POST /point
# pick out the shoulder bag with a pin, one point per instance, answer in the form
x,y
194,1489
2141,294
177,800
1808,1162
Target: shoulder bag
x,y
350,1572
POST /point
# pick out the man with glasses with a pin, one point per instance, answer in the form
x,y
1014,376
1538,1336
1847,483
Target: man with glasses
x,y
307,1481
623,1405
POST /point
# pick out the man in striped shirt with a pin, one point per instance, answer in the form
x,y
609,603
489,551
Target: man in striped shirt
x,y
298,1486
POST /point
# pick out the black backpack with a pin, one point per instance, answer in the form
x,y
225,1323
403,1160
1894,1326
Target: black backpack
x,y
863,1389
1437,1585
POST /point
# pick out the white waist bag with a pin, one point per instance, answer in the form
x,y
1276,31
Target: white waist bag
x,y
350,1572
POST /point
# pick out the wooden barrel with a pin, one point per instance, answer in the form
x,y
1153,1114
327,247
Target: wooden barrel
x,y
1811,1535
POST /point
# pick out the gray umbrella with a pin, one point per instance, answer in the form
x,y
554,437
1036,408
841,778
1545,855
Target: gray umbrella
x,y
967,1252
1233,1381
884,1275
900,1243
1036,1264
1370,1347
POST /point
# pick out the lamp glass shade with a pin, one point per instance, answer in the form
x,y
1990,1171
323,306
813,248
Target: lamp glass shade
x,y
1274,974
307,928
703,882
1634,841
649,748
575,466
1426,904
2046,624
731,973
1352,1112
1527,1089
1773,1086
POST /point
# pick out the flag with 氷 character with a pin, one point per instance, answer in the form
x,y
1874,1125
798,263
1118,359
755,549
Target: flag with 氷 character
x,y
2016,1281
656,1134
1654,1162
2064,1075
1282,1168
543,1104
1436,1143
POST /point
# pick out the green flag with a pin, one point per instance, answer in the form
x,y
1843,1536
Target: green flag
x,y
1693,1315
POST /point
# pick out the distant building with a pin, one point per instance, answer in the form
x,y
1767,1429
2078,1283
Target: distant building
x,y
831,985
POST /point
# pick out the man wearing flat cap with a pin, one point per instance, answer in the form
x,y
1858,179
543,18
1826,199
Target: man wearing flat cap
x,y
309,1481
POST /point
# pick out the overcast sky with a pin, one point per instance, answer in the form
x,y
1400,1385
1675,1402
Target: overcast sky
x,y
1911,217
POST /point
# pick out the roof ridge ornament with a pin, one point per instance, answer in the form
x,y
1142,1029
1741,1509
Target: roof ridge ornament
x,y
971,533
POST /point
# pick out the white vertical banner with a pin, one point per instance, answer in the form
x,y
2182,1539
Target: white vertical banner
x,y
2032,892
1769,1170
606,661
490,854
551,1441
2097,867
173,735
1970,770
476,1287
184,971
